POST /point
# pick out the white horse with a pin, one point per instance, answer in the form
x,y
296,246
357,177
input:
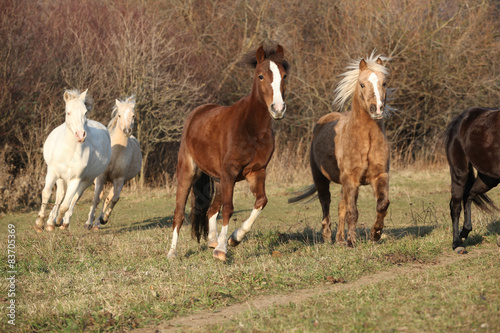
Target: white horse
x,y
76,152
126,160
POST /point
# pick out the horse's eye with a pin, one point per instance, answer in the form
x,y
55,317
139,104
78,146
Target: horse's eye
x,y
384,84
119,115
362,85
261,77
285,76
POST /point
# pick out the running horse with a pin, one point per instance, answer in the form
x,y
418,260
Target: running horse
x,y
472,141
125,164
221,145
351,149
76,152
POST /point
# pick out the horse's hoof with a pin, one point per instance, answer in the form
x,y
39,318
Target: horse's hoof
x,y
351,243
232,241
50,227
95,228
38,228
87,226
460,250
171,255
213,244
64,226
102,221
221,255
375,235
342,243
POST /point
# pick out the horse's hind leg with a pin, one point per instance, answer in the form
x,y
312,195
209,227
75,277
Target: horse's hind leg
x,y
460,176
212,213
50,179
257,186
381,190
111,200
99,186
323,187
186,172
482,184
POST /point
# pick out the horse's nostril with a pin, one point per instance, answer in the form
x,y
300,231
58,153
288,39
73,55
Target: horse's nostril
x,y
373,108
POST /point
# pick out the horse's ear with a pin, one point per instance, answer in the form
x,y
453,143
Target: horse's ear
x,y
379,61
67,96
117,102
279,50
83,95
260,55
362,65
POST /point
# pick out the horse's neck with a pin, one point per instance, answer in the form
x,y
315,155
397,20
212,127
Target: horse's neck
x,y
118,138
255,112
360,118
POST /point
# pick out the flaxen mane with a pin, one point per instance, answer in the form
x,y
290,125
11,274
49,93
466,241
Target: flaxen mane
x,y
346,86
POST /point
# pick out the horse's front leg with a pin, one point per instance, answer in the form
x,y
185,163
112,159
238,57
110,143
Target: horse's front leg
x,y
70,193
227,186
82,186
50,179
348,211
381,190
60,190
257,186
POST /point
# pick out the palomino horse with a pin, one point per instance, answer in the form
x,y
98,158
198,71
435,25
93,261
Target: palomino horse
x,y
472,142
126,160
75,152
352,150
227,144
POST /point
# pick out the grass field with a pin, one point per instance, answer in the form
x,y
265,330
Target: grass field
x,y
119,277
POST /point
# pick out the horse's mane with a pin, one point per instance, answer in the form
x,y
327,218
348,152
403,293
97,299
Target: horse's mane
x,y
251,60
114,112
75,93
346,86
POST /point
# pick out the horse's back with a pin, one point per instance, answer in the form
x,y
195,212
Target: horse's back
x,y
136,158
480,139
323,152
99,143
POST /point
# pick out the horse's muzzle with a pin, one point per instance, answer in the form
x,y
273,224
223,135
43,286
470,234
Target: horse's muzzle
x,y
277,114
80,136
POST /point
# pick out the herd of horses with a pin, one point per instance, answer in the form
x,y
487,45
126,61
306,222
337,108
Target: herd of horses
x,y
221,145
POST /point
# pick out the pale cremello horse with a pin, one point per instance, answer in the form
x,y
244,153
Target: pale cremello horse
x,y
126,160
75,152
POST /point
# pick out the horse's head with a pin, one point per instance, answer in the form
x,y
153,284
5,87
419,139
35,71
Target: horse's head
x,y
125,113
76,113
270,80
371,88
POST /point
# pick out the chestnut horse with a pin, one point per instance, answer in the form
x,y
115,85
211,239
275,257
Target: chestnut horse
x,y
221,145
472,142
351,149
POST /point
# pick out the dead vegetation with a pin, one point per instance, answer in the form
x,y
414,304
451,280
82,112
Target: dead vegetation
x,y
175,55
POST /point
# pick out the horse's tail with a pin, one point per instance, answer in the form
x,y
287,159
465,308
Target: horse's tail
x,y
202,194
303,193
482,201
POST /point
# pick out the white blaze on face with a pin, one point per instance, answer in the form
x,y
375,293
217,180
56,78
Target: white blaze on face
x,y
276,85
374,80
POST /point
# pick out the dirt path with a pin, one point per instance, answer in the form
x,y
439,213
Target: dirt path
x,y
210,317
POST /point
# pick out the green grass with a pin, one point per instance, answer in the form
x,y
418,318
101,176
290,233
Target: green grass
x,y
119,278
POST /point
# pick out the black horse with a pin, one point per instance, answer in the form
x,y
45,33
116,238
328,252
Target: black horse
x,y
472,142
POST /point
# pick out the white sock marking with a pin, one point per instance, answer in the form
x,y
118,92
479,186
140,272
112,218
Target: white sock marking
x,y
174,242
222,241
247,225
212,227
